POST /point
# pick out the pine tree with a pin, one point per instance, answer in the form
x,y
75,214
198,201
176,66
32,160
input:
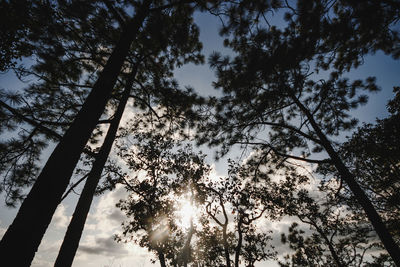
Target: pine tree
x,y
64,70
47,191
272,99
171,25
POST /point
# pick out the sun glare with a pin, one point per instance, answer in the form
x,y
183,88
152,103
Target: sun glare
x,y
186,213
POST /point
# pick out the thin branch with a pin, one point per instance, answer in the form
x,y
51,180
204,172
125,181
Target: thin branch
x,y
171,5
40,127
73,187
283,154
115,13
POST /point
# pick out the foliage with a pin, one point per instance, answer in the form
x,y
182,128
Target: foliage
x,y
285,89
325,231
371,152
160,178
84,40
285,96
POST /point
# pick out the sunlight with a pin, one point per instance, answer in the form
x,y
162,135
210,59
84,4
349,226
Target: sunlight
x,y
186,213
160,233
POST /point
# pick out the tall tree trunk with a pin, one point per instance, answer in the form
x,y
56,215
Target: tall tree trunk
x,y
161,258
239,243
226,245
35,214
186,247
74,232
363,200
186,251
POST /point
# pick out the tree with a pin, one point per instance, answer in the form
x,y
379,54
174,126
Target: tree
x,y
326,231
51,102
108,76
161,177
273,101
371,152
62,76
337,238
46,193
215,207
162,174
237,202
184,49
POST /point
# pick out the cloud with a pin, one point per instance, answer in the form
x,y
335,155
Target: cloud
x,y
60,218
47,252
103,223
105,217
117,215
106,246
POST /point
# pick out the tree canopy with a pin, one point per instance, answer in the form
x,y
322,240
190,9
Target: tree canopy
x,y
100,87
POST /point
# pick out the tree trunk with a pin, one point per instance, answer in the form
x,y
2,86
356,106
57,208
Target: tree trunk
x,y
363,200
27,230
161,258
239,243
74,232
226,246
186,247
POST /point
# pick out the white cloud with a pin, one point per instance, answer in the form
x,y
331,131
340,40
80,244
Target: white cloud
x,y
104,246
47,252
60,218
277,228
103,218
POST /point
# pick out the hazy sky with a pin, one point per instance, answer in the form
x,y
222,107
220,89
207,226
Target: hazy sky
x,y
97,247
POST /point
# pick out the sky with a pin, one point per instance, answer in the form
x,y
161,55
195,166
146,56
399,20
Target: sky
x,y
97,247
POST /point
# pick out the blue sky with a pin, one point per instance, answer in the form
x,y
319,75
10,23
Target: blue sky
x,y
97,247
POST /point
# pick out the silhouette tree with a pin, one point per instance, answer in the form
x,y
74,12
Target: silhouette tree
x,y
273,100
237,202
184,49
46,193
337,237
326,231
63,74
119,52
371,152
161,176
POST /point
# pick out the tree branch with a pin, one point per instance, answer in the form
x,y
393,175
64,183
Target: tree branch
x,y
73,186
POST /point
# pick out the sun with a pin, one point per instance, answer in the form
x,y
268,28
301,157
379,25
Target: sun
x,y
186,213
